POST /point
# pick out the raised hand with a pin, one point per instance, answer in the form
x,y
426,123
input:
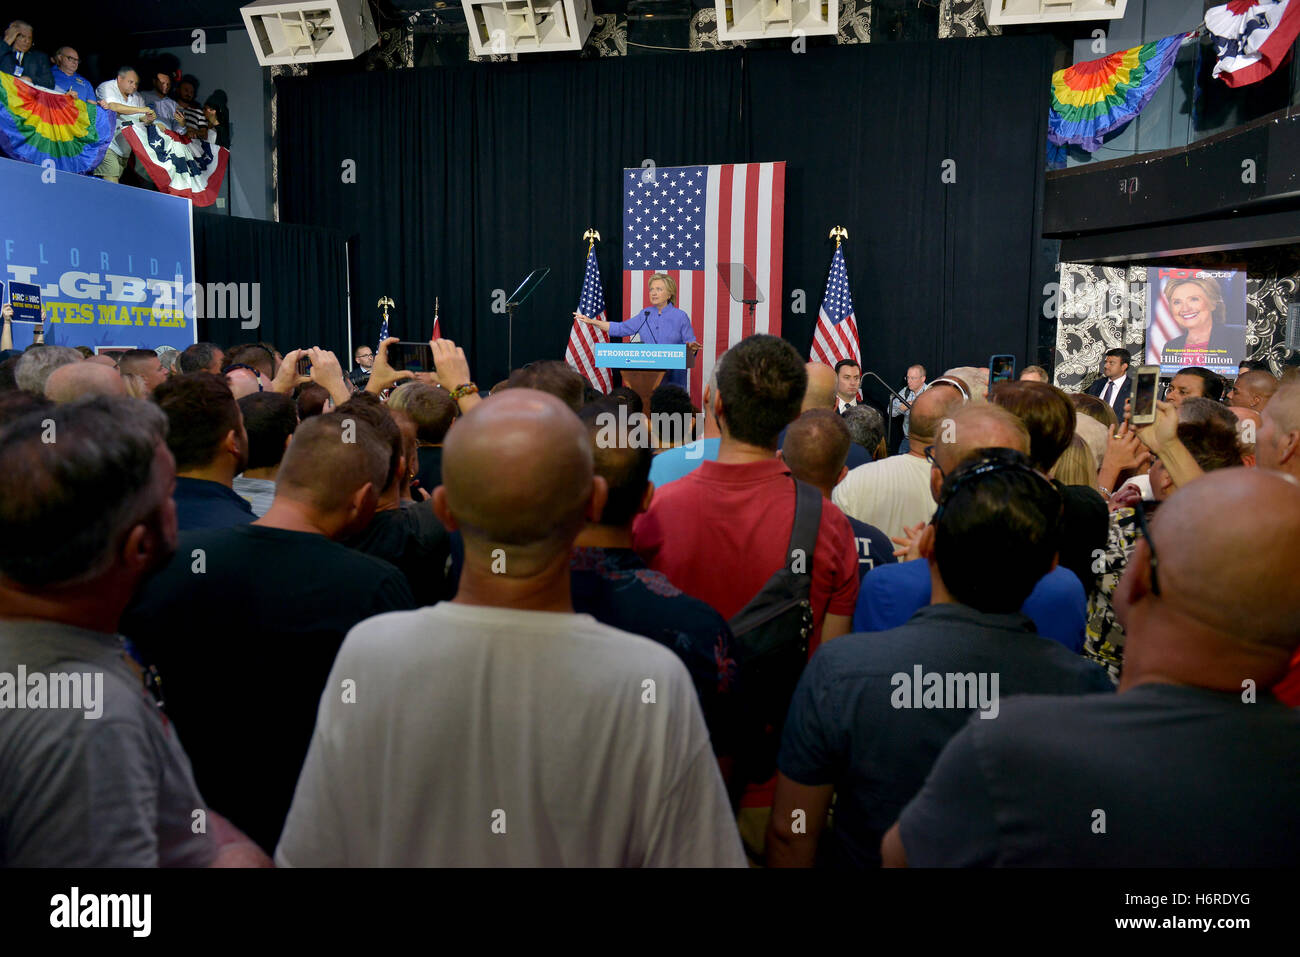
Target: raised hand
x,y
909,543
382,375
326,371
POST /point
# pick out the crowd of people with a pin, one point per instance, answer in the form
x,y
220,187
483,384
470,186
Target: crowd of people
x,y
377,617
170,98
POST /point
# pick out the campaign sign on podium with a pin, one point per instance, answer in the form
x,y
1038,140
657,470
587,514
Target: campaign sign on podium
x,y
642,364
636,355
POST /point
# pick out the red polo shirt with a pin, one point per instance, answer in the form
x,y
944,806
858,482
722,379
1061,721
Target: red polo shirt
x,y
720,532
1288,689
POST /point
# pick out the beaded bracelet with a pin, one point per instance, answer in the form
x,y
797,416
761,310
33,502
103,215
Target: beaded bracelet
x,y
461,391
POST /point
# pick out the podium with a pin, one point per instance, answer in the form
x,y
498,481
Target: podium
x,y
642,364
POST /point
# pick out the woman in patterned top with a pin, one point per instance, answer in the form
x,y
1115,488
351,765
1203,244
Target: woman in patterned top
x,y
1210,445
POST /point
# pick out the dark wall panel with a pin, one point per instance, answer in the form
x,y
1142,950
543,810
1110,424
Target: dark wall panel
x,y
467,178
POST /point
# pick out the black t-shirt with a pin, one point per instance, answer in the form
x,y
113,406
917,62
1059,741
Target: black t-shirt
x,y
412,538
243,625
615,587
864,717
1158,776
1084,530
429,476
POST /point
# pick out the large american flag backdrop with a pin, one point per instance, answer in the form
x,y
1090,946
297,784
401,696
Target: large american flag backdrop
x,y
684,221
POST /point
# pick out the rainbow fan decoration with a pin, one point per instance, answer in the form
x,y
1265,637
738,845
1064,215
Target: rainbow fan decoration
x,y
38,124
1092,98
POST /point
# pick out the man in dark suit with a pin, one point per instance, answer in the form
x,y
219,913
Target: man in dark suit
x,y
1113,386
19,59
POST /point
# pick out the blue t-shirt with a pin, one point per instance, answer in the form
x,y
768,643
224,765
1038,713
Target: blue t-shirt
x,y
76,82
865,717
673,464
1057,605
874,547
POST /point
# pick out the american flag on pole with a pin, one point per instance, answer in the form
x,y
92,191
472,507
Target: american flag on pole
x,y
687,220
836,335
383,330
581,352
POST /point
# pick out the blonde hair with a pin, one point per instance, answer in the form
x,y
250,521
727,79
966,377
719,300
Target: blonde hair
x,y
1077,465
668,283
1207,284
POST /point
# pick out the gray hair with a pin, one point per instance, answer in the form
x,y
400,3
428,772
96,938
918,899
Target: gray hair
x,y
38,362
124,70
866,425
1198,409
78,477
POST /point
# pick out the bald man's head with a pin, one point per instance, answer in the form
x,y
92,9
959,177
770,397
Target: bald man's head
x,y
971,428
1277,445
1209,574
1252,390
820,393
77,380
929,409
517,476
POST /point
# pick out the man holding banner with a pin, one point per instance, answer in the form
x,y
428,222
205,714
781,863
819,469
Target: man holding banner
x,y
121,97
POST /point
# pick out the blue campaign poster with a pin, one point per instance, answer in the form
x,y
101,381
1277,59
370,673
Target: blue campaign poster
x,y
111,261
26,300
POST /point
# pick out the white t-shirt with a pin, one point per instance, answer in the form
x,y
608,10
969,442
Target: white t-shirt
x,y
501,738
109,91
888,494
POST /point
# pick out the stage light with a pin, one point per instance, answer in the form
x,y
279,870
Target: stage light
x,y
527,26
766,19
309,31
1004,12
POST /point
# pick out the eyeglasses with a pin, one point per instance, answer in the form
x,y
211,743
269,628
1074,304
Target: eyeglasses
x,y
365,355
1141,513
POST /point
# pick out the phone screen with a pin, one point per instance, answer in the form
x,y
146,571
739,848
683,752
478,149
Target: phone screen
x,y
1001,369
304,366
411,356
1144,394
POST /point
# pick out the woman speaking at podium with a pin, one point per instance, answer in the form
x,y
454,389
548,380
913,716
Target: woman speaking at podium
x,y
662,323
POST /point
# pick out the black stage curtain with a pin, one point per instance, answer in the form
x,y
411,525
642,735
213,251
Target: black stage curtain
x,y
302,276
467,178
